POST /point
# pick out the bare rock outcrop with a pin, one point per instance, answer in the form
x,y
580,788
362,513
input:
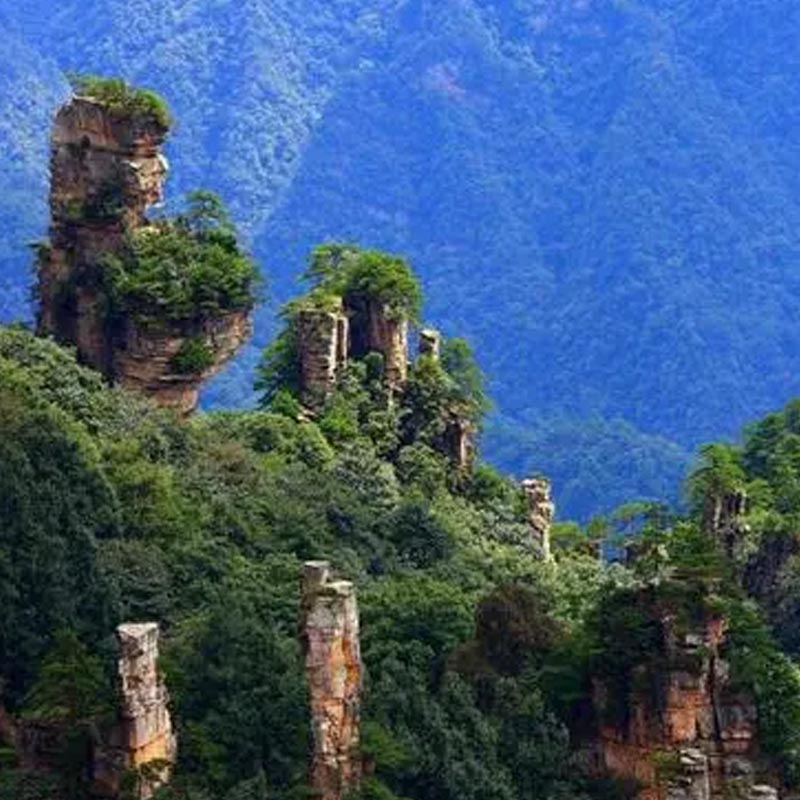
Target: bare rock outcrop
x,y
334,674
323,343
107,170
541,511
683,731
142,742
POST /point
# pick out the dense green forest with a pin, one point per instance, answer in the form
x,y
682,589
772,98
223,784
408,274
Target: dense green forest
x,y
479,654
601,196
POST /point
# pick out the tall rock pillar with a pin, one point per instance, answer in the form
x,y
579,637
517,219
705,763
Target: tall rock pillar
x,y
142,741
541,511
334,675
106,171
388,335
322,344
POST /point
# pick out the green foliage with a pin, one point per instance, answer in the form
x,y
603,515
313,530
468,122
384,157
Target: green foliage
x,y
183,270
122,99
194,357
758,666
71,685
362,276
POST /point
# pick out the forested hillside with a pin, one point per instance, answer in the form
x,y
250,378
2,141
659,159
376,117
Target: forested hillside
x,y
601,196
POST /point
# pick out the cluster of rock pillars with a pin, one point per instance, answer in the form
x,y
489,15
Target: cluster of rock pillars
x,y
709,730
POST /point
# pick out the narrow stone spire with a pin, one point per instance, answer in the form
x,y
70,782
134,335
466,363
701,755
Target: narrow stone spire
x,y
334,674
541,511
142,740
322,345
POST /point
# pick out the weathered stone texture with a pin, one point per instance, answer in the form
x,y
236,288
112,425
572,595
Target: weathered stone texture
x,y
143,358
106,172
388,335
698,715
142,739
323,348
334,674
541,511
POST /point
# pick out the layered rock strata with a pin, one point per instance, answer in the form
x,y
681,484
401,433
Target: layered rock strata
x,y
107,170
541,511
684,733
388,335
142,742
334,674
323,342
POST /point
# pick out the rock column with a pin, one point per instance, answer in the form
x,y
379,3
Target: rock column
x,y
322,343
334,675
106,171
388,335
541,511
143,741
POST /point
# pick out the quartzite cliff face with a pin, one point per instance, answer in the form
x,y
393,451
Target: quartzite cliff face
x,y
107,170
334,674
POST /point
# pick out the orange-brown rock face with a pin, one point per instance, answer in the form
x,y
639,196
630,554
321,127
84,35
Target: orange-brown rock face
x,y
389,336
698,740
143,358
323,347
334,674
143,740
106,172
541,511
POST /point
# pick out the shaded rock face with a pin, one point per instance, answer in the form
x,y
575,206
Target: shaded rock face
x,y
459,443
541,511
698,740
142,740
326,339
334,675
389,336
106,172
143,358
323,343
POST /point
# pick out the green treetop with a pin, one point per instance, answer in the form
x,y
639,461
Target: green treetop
x,y
121,98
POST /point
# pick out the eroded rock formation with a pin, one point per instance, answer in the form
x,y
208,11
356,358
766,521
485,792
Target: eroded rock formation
x,y
142,741
323,342
334,674
328,337
541,511
107,170
682,731
387,334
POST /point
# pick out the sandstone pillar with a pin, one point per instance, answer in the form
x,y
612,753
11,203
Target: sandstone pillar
x,y
143,741
541,511
322,343
334,674
106,171
388,335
